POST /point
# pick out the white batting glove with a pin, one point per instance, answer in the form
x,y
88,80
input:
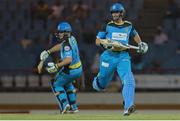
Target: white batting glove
x,y
120,46
109,47
143,47
106,43
52,68
44,55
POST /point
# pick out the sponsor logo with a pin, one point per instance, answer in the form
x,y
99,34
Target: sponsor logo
x,y
119,36
66,48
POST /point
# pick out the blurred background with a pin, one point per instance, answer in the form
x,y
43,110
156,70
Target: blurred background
x,y
26,27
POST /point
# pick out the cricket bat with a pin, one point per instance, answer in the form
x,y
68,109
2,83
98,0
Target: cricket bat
x,y
40,66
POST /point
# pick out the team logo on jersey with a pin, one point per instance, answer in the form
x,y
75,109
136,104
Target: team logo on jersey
x,y
66,48
119,36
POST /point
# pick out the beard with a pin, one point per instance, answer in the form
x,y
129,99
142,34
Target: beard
x,y
117,17
62,37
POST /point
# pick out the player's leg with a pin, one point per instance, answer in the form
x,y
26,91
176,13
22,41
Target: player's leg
x,y
66,78
60,93
71,94
105,74
127,78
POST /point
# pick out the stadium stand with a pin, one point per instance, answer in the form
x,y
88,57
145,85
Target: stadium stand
x,y
26,26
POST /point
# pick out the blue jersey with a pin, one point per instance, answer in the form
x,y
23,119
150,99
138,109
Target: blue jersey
x,y
120,33
69,48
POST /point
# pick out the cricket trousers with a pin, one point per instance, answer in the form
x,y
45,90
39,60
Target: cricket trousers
x,y
63,88
120,62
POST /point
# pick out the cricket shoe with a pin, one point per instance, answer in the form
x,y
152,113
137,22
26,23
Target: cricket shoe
x,y
130,110
66,108
72,111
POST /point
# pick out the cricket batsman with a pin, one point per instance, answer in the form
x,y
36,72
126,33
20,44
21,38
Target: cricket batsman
x,y
67,70
116,56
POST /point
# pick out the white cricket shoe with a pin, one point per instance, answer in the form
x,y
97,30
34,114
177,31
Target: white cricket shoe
x,y
66,108
129,110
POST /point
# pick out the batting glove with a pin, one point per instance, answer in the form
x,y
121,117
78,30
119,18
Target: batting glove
x,y
52,68
143,47
44,55
107,44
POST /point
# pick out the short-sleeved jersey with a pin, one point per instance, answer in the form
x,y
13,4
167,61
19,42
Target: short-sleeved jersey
x,y
116,32
69,48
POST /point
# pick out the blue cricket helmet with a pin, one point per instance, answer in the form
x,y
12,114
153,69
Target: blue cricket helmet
x,y
117,7
64,27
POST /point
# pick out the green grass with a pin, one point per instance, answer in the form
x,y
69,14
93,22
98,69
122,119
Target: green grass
x,y
88,117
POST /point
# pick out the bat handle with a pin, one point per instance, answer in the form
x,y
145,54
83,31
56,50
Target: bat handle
x,y
133,47
40,66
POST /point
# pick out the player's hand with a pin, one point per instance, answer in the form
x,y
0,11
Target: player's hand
x,y
118,46
44,55
52,68
107,44
109,47
143,47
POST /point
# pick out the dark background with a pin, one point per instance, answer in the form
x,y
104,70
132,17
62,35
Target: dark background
x,y
27,25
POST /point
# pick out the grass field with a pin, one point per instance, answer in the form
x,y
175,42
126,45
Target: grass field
x,y
88,117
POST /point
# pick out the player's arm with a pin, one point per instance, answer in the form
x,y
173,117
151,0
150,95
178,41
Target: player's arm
x,y
67,52
98,41
100,36
143,47
65,62
55,48
107,44
137,39
45,54
102,41
52,67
